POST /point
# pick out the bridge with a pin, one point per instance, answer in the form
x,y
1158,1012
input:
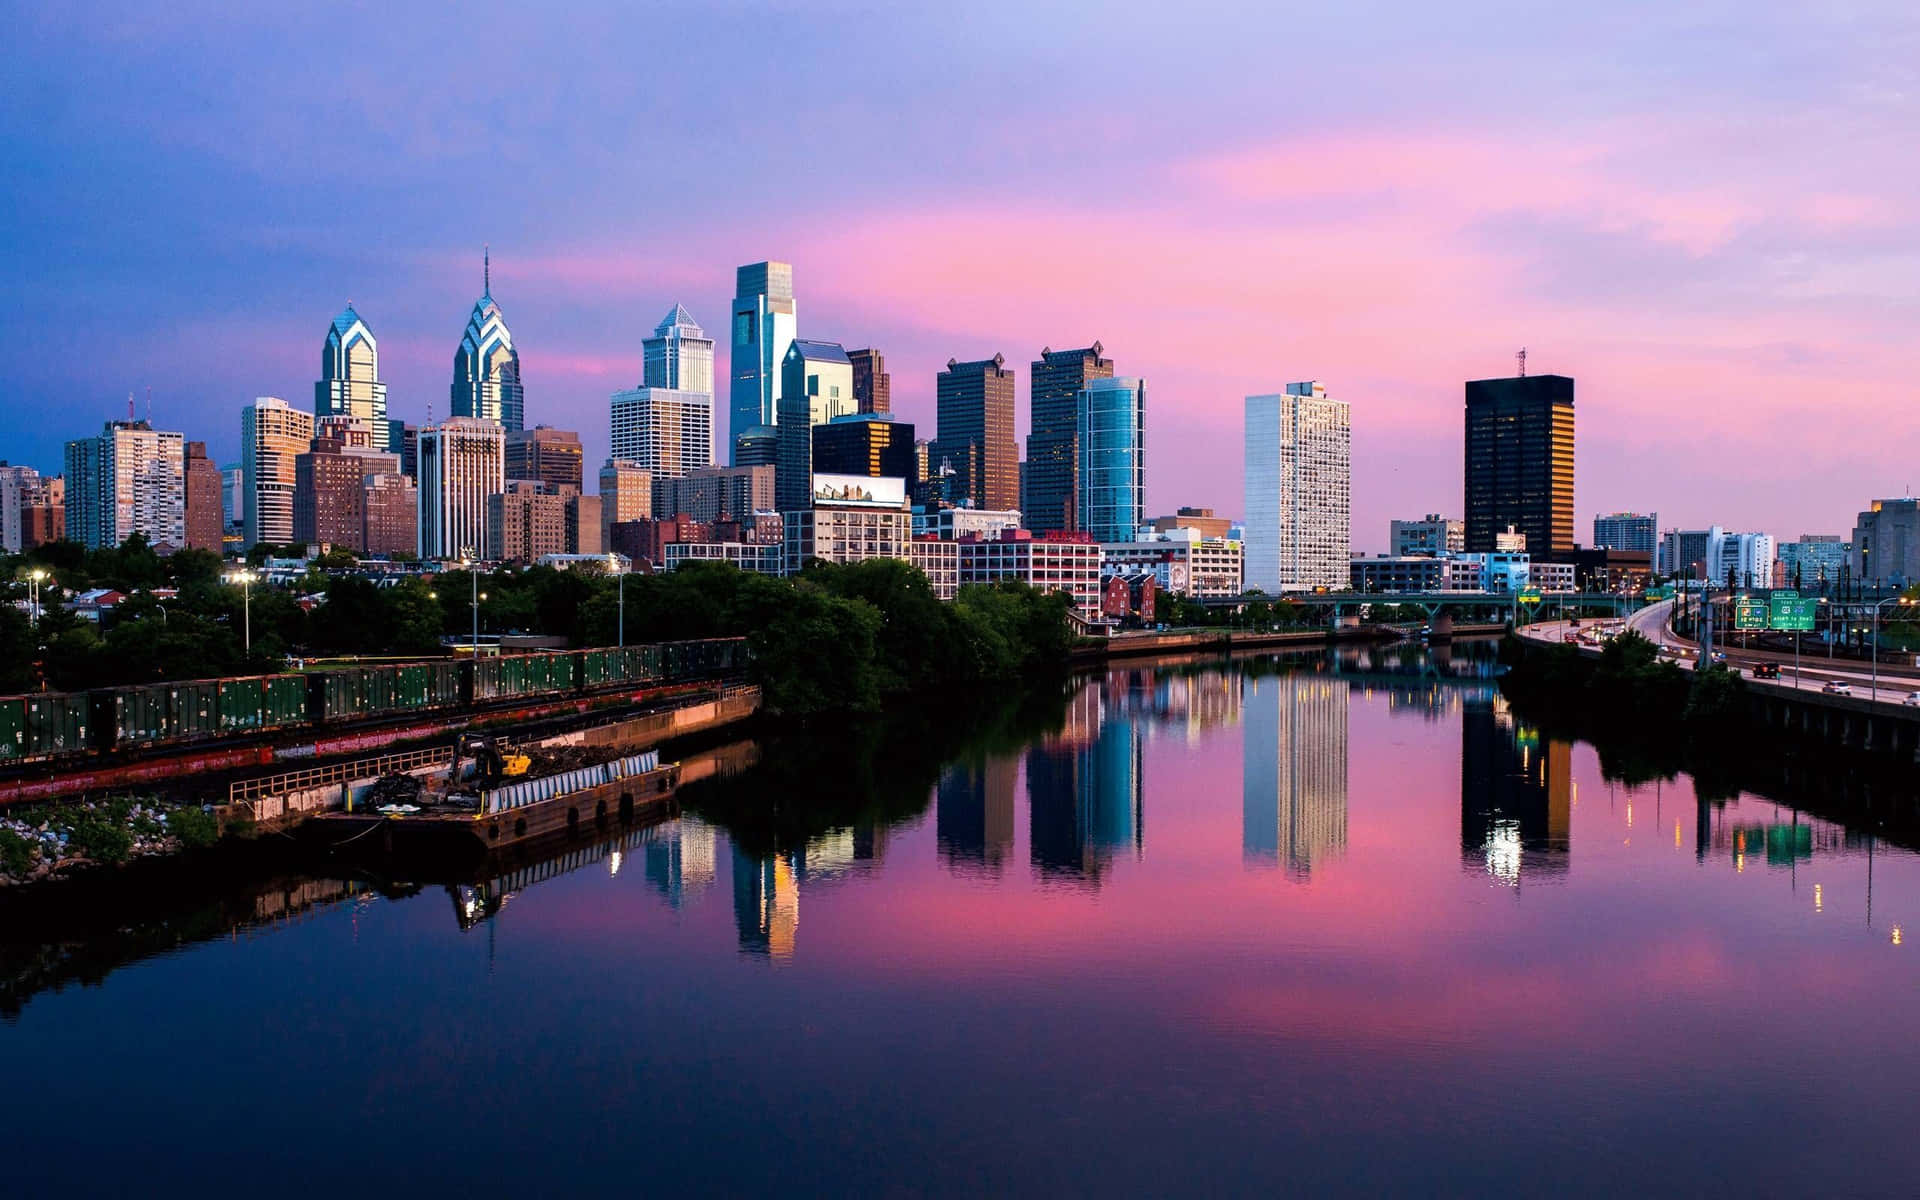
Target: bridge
x,y
1523,606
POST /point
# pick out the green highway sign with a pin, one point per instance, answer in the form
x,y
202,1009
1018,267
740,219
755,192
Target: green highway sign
x,y
1659,593
1749,613
1529,597
1791,613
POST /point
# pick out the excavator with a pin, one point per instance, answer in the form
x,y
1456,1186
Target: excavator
x,y
494,759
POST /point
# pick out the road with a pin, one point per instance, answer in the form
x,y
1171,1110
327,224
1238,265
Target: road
x,y
1897,682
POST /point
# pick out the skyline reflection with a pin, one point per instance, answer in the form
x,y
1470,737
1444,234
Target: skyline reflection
x,y
1293,772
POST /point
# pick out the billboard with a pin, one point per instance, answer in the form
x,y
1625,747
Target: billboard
x,y
863,490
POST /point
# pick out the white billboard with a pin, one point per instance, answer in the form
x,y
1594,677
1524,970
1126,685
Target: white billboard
x,y
870,491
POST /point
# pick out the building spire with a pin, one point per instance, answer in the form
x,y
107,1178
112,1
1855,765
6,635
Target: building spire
x,y
486,269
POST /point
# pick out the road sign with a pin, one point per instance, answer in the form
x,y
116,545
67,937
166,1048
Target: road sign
x,y
1749,613
1529,597
1659,593
1792,613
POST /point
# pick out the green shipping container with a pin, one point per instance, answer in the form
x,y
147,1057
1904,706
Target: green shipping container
x,y
338,695
55,724
194,709
242,705
13,728
133,716
284,700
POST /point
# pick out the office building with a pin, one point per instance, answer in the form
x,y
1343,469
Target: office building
x,y
1413,573
1200,520
666,430
816,386
975,436
849,519
626,494
865,443
524,523
462,462
330,486
1182,562
409,435
128,479
715,494
1627,531
549,456
872,386
1432,535
761,558
390,515
22,491
206,525
1813,562
1050,496
44,522
678,356
1885,547
1293,772
1111,441
1058,562
939,560
1519,461
349,384
763,331
486,367
1682,553
1744,558
1298,490
953,523
272,434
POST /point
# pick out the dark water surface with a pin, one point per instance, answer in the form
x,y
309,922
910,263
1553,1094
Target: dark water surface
x,y
1190,930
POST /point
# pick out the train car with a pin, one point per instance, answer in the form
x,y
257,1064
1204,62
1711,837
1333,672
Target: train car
x,y
260,702
42,726
619,666
156,713
511,675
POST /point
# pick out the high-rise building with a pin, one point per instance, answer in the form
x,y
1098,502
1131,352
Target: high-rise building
x,y
626,494
1814,561
1683,552
129,479
390,508
679,355
714,494
486,367
206,525
666,430
1050,497
233,496
462,462
975,432
864,443
330,488
816,386
763,330
272,434
1111,443
1744,558
524,523
349,384
545,455
1519,462
872,386
21,489
1298,490
1885,547
1638,532
1432,536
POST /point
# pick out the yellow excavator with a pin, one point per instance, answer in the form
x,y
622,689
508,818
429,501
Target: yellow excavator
x,y
495,759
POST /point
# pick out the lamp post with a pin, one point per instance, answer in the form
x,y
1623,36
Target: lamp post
x,y
34,577
245,578
613,564
1874,649
473,577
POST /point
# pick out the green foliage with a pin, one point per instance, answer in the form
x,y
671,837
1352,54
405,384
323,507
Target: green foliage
x,y
195,827
16,853
102,837
1718,697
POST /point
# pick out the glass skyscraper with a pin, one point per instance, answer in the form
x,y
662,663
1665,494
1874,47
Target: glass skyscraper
x,y
1049,496
679,355
818,386
349,384
1519,462
486,367
666,424
1111,432
1298,489
763,329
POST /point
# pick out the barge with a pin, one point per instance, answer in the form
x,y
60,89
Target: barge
x,y
462,821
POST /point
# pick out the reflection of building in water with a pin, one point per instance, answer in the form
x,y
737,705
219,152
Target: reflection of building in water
x,y
1084,803
1293,772
766,905
1189,705
1516,797
679,861
973,814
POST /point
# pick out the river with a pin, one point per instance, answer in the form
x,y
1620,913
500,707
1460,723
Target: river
x,y
1303,924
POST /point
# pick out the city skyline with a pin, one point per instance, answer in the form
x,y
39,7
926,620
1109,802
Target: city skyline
x,y
1623,228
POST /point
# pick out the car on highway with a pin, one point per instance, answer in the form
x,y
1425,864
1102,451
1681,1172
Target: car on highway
x,y
1838,687
1766,671
1912,700
1720,657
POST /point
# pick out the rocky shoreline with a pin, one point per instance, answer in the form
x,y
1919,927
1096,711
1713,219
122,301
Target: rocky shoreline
x,y
47,842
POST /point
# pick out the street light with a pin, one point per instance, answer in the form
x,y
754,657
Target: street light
x,y
245,579
473,575
34,577
613,564
1875,637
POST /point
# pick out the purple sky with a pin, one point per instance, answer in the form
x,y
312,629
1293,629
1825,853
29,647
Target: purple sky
x,y
1709,217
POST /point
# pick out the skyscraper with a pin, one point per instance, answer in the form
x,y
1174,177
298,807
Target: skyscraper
x,y
1111,445
679,355
1298,483
816,386
864,443
1519,462
546,455
974,415
626,494
205,522
1049,499
349,384
486,367
462,462
666,424
763,329
1627,531
872,386
272,434
129,479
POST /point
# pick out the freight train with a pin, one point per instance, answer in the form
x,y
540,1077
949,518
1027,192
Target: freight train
x,y
52,726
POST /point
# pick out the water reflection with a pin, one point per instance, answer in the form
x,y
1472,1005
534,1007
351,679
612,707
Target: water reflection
x,y
1516,797
1293,778
974,814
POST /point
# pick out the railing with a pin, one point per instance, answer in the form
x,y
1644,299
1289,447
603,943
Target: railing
x,y
531,791
363,768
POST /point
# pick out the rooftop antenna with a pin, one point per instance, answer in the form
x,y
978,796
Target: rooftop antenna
x,y
149,404
1522,357
486,269
129,408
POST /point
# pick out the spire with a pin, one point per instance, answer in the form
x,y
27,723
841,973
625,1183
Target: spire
x,y
486,269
